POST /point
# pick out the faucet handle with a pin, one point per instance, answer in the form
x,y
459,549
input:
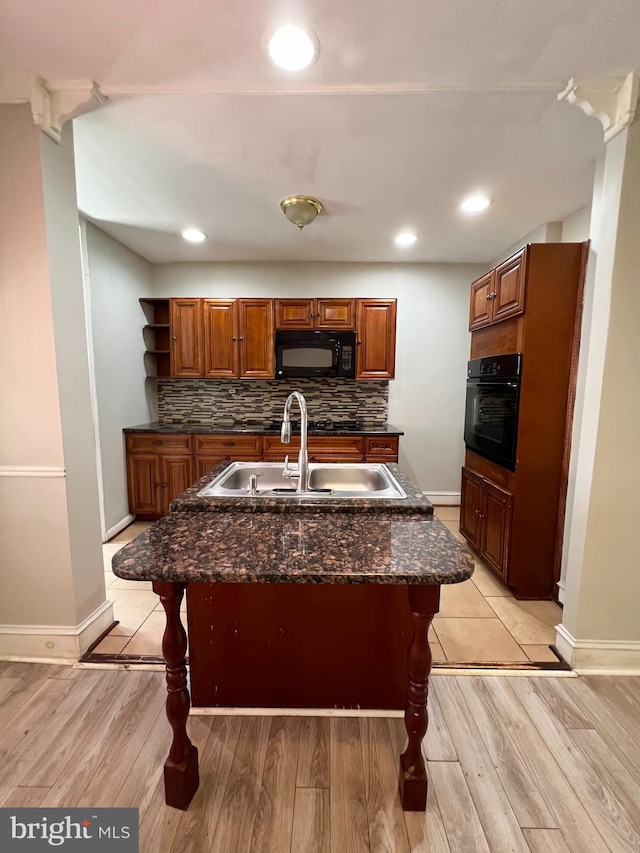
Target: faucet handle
x,y
287,472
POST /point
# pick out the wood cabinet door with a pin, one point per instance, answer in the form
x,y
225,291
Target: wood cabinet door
x,y
480,313
509,288
376,339
143,483
295,313
471,507
496,534
335,314
186,337
256,330
177,475
221,357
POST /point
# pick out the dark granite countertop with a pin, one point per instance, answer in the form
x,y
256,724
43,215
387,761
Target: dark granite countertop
x,y
253,428
414,503
232,547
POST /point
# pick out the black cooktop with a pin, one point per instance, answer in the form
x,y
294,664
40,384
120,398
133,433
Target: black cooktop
x,y
324,426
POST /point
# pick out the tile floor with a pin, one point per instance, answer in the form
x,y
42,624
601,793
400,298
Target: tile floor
x,y
479,621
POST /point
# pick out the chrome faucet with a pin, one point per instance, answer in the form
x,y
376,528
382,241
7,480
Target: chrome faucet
x,y
302,474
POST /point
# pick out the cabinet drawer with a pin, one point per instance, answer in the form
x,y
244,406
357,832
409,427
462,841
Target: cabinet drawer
x,y
339,448
206,462
321,448
381,447
275,450
161,442
229,445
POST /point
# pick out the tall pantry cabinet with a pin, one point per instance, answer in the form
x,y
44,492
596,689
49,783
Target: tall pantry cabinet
x,y
531,304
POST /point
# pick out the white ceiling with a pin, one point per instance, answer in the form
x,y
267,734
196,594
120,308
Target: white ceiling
x,y
411,106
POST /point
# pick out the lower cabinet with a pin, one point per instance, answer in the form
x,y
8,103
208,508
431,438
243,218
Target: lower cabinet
x,y
320,448
485,520
212,449
159,468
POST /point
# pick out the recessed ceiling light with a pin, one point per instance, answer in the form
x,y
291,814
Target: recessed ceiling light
x,y
475,203
194,235
293,48
405,238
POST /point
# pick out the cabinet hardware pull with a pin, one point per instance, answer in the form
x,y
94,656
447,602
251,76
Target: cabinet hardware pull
x,y
156,442
228,444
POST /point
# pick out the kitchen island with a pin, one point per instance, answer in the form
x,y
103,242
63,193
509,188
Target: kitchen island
x,y
411,552
184,549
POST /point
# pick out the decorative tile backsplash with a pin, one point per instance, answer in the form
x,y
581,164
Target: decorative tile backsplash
x,y
203,401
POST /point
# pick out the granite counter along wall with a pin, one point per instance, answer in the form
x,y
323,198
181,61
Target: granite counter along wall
x,y
206,401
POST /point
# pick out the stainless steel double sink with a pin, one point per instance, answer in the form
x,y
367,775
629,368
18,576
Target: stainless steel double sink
x,y
326,481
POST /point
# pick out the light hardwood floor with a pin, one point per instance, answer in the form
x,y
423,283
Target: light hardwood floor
x,y
515,764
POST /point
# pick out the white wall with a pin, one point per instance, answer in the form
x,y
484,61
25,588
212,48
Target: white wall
x,y
52,595
603,581
426,399
576,228
72,359
548,232
117,279
35,583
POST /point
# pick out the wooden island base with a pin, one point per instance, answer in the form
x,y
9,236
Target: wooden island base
x,y
181,767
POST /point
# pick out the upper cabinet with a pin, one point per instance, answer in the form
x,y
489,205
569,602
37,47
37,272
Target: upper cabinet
x,y
234,338
186,338
238,338
315,313
221,351
499,294
376,339
255,339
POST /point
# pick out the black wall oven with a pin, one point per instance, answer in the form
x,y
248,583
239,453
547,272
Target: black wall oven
x,y
315,354
491,413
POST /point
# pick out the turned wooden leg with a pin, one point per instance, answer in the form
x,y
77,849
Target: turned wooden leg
x,y
181,767
424,602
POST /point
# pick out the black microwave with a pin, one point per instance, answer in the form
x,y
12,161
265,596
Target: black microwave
x,y
315,354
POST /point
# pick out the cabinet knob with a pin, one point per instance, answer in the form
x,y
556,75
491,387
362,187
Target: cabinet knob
x,y
234,339
174,338
241,339
358,342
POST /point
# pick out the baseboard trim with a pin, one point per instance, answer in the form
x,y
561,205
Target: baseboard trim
x,y
443,498
54,643
587,657
113,531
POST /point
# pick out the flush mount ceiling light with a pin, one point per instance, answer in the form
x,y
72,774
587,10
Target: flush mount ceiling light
x,y
405,238
293,48
475,203
194,235
300,209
